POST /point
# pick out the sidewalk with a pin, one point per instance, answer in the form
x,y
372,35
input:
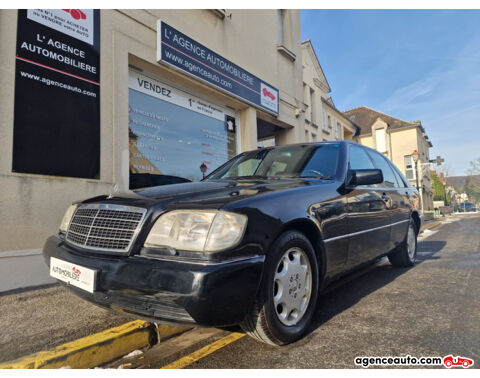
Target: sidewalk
x,y
23,269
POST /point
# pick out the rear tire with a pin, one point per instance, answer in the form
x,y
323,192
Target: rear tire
x,y
288,294
406,253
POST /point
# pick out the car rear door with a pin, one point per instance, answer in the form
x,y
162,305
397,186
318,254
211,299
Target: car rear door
x,y
403,208
369,215
397,201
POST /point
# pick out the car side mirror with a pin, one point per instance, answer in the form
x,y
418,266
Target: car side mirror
x,y
365,177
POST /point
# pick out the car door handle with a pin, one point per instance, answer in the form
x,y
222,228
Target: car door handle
x,y
385,197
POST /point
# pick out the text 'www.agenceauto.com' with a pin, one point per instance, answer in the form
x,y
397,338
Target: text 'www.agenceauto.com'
x,y
408,360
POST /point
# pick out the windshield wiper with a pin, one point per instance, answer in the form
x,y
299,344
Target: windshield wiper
x,y
247,177
312,177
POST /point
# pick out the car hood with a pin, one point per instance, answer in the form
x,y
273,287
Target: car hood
x,y
212,193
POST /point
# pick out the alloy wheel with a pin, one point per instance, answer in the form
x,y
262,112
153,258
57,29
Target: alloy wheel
x,y
411,242
292,286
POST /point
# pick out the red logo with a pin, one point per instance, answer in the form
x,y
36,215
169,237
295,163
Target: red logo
x,y
450,361
76,271
267,93
77,14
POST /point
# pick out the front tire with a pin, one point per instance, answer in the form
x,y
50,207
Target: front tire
x,y
288,294
406,253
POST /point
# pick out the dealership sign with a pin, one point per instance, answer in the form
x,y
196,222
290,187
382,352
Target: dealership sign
x,y
176,49
57,93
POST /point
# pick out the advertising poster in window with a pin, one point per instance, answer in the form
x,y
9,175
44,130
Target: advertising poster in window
x,y
57,93
173,133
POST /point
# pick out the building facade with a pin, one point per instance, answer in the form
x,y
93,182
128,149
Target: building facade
x,y
94,98
400,141
323,121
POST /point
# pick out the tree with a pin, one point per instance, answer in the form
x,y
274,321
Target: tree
x,y
474,167
472,181
438,188
472,190
445,169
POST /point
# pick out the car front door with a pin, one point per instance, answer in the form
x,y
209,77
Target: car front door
x,y
369,215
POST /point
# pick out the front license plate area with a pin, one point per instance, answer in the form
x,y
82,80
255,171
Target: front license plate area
x,y
73,274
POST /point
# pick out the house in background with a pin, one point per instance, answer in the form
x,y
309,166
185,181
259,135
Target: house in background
x,y
400,141
323,121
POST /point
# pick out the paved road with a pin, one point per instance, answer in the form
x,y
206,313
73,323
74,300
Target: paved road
x,y
432,309
45,318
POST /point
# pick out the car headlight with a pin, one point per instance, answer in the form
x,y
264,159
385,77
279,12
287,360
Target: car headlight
x,y
201,231
67,217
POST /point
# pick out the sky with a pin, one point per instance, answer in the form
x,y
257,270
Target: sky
x,y
411,64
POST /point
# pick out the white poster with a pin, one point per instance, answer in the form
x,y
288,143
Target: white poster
x,y
77,23
167,93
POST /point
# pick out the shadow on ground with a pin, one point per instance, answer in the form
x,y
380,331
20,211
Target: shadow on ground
x,y
350,289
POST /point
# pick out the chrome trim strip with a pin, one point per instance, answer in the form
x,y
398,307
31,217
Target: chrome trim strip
x,y
111,206
198,262
364,231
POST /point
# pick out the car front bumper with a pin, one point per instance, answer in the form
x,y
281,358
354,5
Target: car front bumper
x,y
169,292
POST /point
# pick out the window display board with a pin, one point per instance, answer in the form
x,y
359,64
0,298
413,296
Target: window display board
x,y
174,133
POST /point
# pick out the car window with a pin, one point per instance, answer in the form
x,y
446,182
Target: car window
x,y
359,158
282,162
245,168
389,180
323,162
401,182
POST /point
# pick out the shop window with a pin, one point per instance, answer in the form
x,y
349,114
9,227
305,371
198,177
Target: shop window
x,y
174,133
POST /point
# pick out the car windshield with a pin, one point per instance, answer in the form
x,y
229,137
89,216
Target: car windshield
x,y
307,161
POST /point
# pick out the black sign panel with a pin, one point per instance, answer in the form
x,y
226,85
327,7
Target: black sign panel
x,y
57,93
186,54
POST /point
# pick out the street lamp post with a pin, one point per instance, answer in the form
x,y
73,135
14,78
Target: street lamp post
x,y
415,157
203,169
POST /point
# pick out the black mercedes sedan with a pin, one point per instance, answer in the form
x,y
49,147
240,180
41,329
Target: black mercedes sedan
x,y
252,244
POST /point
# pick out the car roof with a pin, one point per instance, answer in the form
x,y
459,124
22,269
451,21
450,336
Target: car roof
x,y
305,144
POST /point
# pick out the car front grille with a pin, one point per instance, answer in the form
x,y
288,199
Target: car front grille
x,y
105,227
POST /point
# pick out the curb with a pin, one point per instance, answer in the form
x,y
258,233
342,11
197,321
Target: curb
x,y
431,225
97,349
